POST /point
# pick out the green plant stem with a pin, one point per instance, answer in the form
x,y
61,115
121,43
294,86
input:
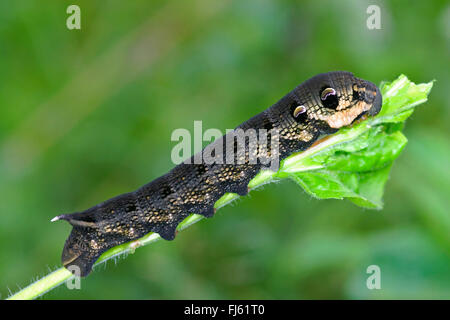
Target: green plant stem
x,y
62,275
294,163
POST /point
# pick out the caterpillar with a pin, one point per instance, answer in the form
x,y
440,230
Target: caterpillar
x,y
315,108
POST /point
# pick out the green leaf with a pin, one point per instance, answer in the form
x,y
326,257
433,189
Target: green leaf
x,y
363,188
357,171
400,97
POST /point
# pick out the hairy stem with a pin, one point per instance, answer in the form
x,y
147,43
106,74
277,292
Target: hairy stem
x,y
394,109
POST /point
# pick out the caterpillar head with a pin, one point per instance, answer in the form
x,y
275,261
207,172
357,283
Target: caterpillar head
x,y
335,99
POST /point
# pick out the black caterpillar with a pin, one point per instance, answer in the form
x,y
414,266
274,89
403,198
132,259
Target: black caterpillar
x,y
318,106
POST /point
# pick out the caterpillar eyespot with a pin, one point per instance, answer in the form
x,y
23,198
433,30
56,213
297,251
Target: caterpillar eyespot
x,y
326,93
162,204
299,110
329,98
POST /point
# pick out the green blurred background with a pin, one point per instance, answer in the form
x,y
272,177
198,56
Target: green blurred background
x,y
87,114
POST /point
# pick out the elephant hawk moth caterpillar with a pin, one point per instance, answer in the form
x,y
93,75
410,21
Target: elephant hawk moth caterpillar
x,y
316,107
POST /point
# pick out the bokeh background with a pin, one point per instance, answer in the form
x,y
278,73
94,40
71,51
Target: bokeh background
x,y
87,114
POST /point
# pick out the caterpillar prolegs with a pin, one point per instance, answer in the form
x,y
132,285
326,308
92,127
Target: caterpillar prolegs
x,y
317,107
